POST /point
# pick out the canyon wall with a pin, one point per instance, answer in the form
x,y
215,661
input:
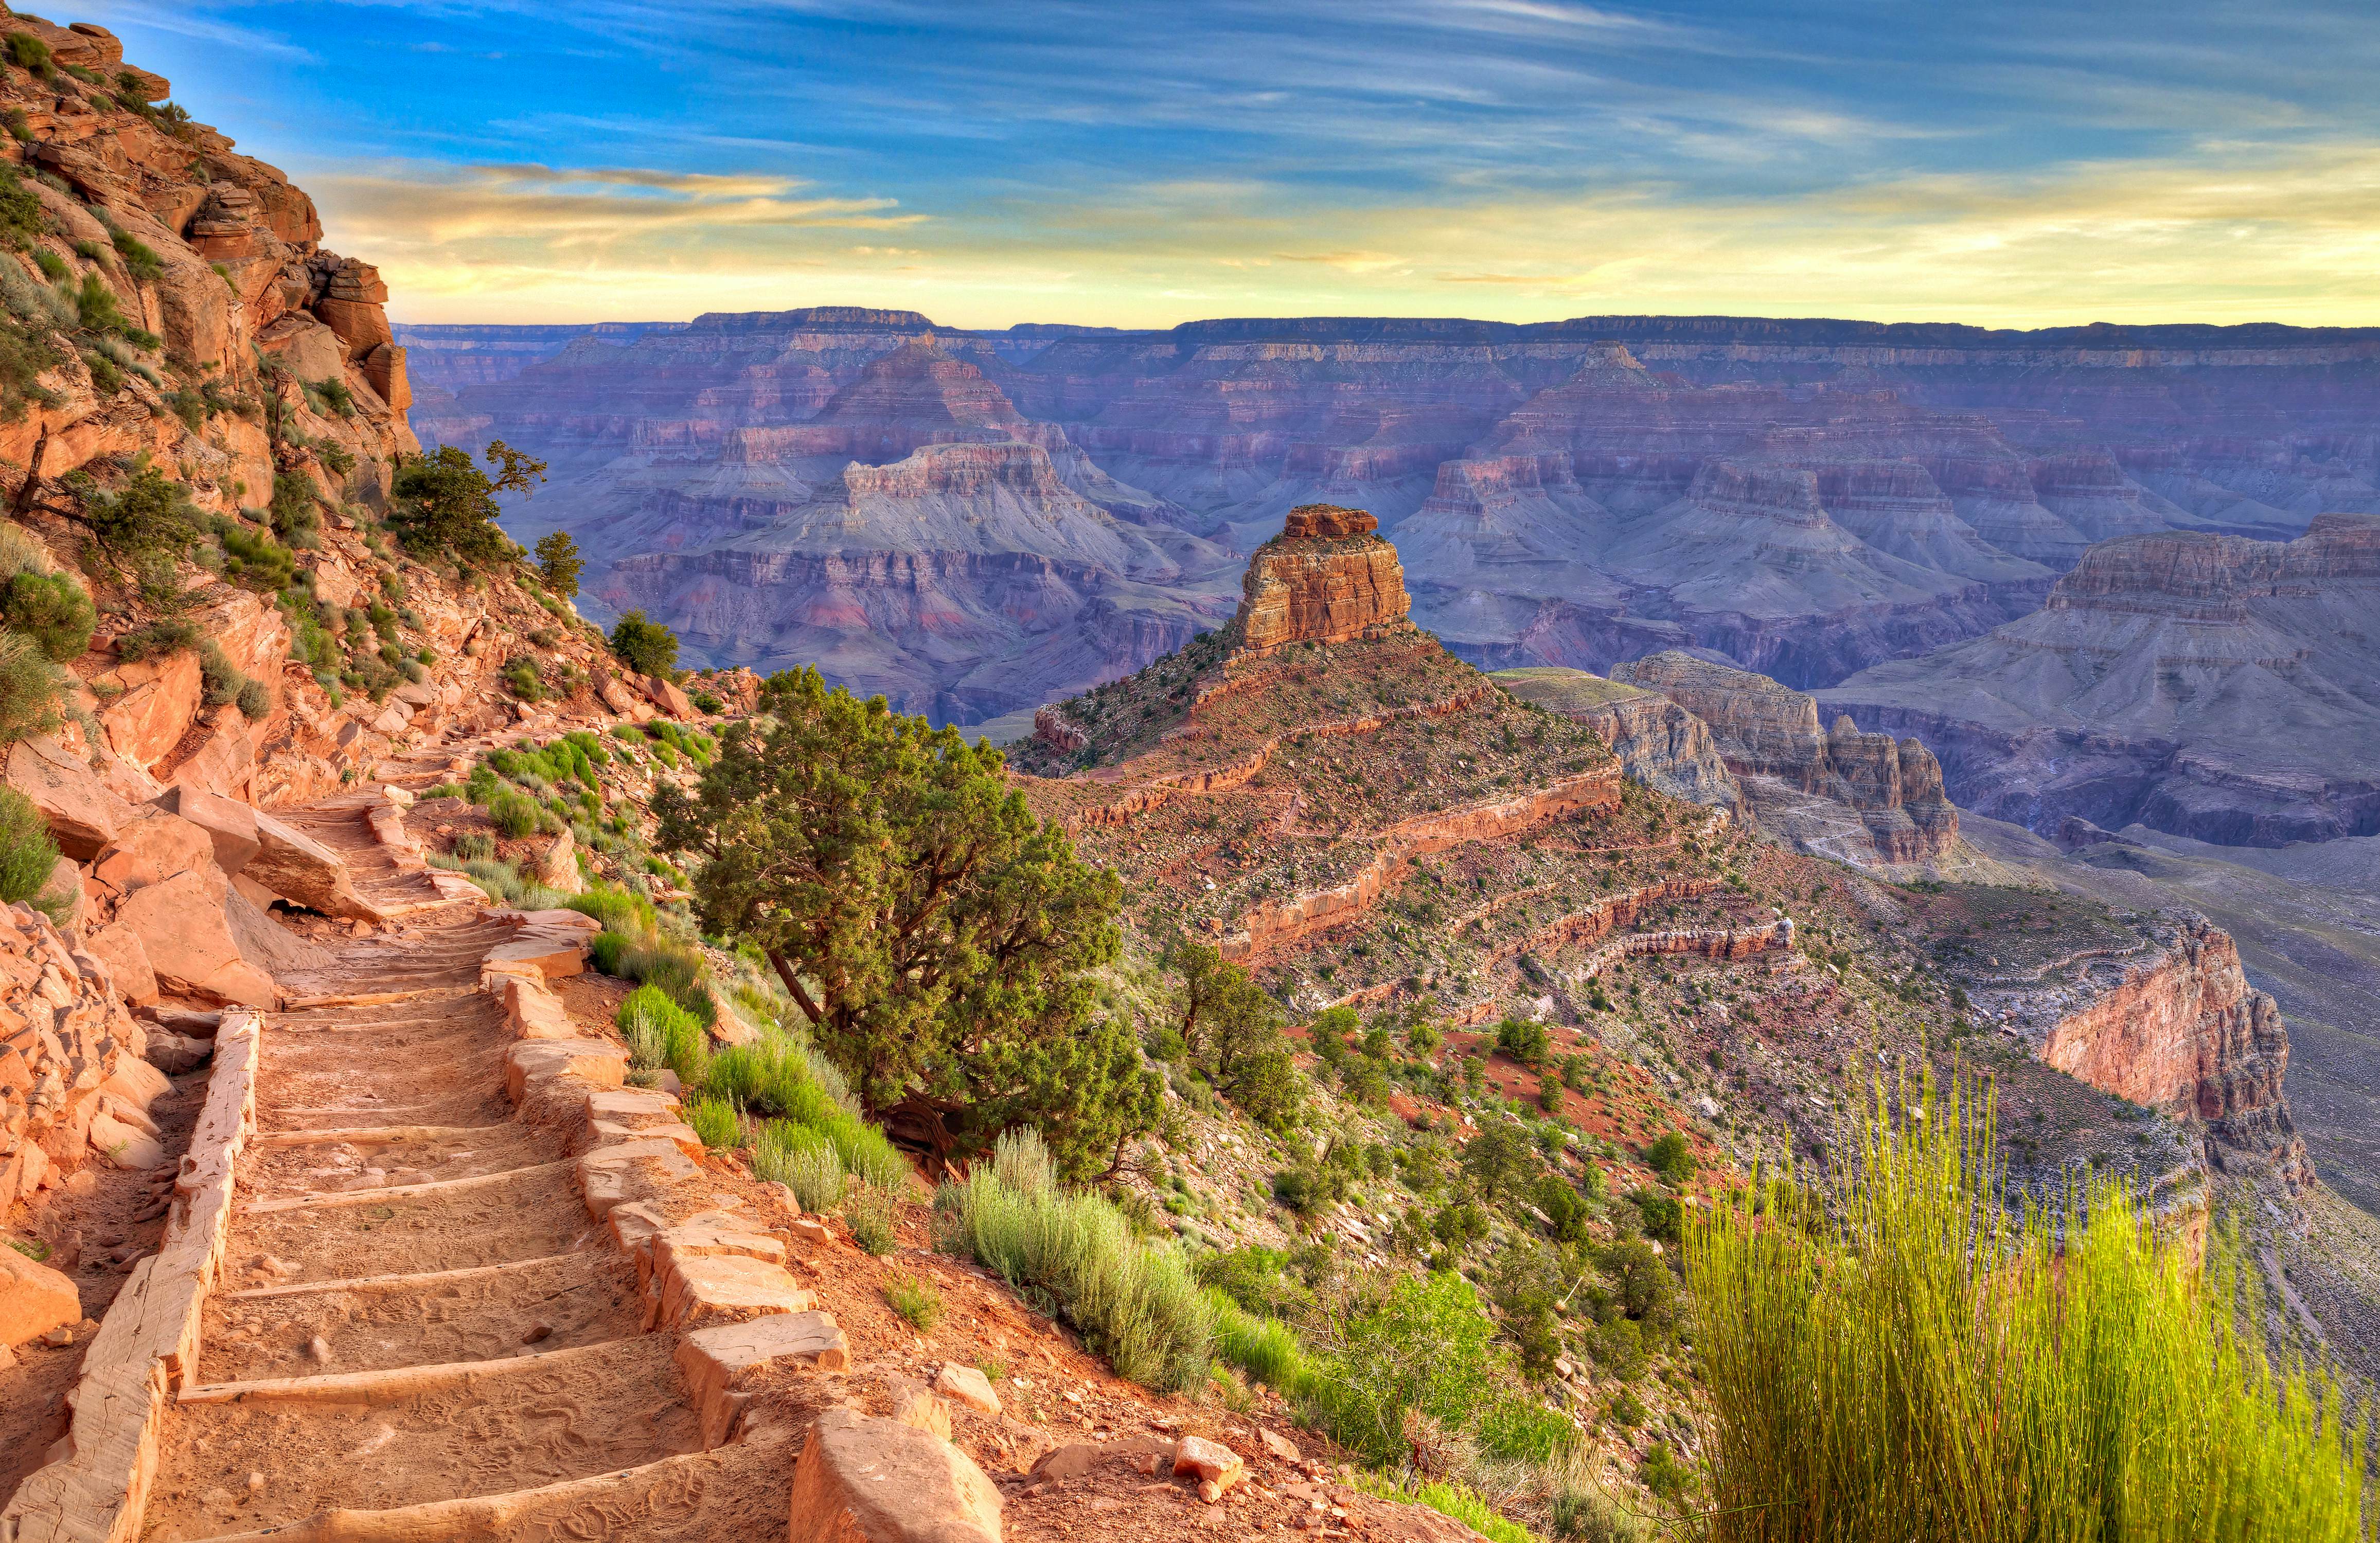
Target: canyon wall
x,y
2185,1033
1798,778
2206,685
1808,498
1659,744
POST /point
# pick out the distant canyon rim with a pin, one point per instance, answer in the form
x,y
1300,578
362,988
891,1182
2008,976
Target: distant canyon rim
x,y
2091,568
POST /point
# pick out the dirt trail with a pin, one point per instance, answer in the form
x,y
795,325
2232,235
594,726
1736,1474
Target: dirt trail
x,y
394,1214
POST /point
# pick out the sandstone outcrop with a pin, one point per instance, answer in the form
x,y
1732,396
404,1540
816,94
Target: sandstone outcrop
x,y
241,278
1659,744
867,1480
65,1038
2210,686
1327,578
1802,779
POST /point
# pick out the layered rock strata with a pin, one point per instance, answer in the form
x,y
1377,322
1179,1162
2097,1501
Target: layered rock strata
x,y
2209,686
1659,744
1799,778
1327,578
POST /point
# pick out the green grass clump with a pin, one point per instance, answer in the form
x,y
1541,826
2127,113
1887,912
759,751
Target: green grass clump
x,y
1910,1364
715,1120
28,855
1265,1348
915,1300
802,1160
1452,1500
661,1033
868,1212
1134,1302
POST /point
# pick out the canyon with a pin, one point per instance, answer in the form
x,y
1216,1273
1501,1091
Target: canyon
x,y
2207,686
1807,499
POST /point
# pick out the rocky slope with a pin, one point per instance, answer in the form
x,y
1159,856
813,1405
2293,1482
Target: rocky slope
x,y
1659,744
2209,686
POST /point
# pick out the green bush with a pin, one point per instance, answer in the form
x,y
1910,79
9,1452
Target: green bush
x,y
21,220
1670,1156
803,1160
1524,1040
867,1211
1911,1363
139,260
150,516
256,562
606,951
645,647
915,1300
28,52
661,1033
514,814
715,1120
28,856
28,688
51,609
1134,1302
292,510
1265,1348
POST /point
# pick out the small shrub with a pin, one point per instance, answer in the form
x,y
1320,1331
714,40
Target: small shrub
x,y
152,516
53,266
803,1160
645,646
661,1033
28,52
254,701
915,1300
514,814
715,1120
28,688
474,843
52,610
1134,1302
1671,1157
139,260
1524,1040
28,856
868,1212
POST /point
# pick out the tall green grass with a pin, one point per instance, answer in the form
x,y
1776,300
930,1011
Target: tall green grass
x,y
661,1033
1134,1302
802,1160
1910,1364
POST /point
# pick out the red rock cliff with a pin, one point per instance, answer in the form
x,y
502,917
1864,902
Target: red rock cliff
x,y
1327,577
2186,1032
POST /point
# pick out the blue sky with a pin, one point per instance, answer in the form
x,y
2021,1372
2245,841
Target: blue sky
x,y
1146,164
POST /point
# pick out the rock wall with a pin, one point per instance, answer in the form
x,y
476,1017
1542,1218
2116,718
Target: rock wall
x,y
1327,578
2184,1031
2206,685
1659,744
74,1088
243,296
1769,736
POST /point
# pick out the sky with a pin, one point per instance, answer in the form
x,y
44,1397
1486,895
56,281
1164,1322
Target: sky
x,y
1143,162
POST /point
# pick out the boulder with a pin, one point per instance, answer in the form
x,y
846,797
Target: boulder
x,y
82,810
1208,1462
968,1386
667,697
911,1403
616,697
229,824
557,868
174,1054
871,1480
35,1299
384,371
152,847
160,698
717,1360
304,347
222,765
702,1290
124,1143
119,949
296,867
183,929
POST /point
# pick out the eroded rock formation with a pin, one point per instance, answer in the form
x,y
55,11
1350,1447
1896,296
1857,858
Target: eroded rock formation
x,y
2206,685
1659,744
1800,779
2182,1030
1327,578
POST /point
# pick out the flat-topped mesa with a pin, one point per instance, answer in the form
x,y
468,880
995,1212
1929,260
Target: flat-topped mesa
x,y
1327,577
1770,735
